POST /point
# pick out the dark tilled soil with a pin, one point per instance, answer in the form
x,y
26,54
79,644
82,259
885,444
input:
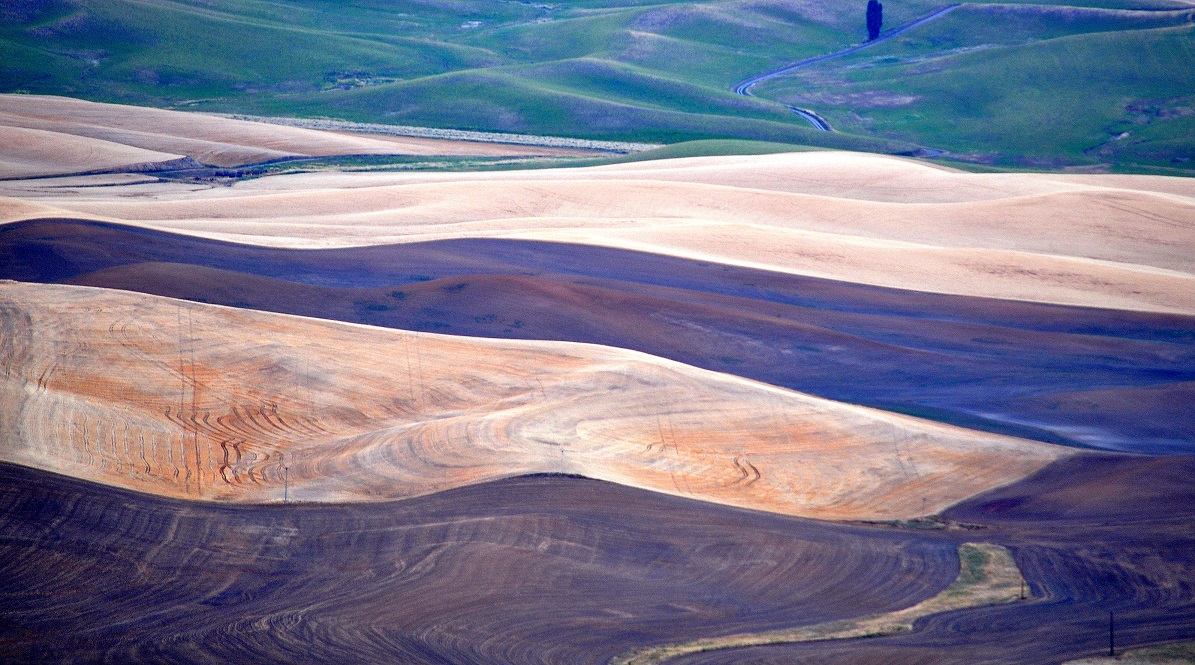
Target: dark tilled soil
x,y
554,569
1093,535
529,570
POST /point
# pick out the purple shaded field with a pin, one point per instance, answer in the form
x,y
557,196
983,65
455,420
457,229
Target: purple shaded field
x,y
1084,377
527,570
569,570
1092,534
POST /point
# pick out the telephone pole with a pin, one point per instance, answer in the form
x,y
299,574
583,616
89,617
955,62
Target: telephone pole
x,y
1111,637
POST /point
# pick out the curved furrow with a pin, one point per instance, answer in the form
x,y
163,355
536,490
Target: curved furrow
x,y
576,574
525,570
1093,534
513,407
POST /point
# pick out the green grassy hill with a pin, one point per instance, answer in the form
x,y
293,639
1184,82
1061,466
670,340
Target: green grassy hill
x,y
1022,86
1006,85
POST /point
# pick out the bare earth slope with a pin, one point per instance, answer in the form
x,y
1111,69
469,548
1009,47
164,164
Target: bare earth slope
x,y
568,570
514,572
198,401
1116,242
1091,535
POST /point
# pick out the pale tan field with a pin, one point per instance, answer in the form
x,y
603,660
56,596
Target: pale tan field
x,y
204,402
1102,241
35,152
836,174
113,131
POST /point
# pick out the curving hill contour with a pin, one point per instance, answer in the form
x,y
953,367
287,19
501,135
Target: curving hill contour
x,y
1114,242
205,402
1082,376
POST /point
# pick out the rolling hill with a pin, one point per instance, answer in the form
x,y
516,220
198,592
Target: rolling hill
x,y
205,402
1045,84
559,415
1082,376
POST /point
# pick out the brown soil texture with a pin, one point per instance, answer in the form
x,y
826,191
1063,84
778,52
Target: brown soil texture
x,y
1080,376
555,569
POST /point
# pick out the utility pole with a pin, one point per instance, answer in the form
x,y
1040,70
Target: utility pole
x,y
1111,637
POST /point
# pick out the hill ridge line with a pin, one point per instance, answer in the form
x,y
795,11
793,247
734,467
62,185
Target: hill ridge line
x,y
330,124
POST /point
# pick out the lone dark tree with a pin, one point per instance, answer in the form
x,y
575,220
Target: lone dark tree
x,y
875,18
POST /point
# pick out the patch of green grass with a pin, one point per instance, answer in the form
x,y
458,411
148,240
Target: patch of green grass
x,y
568,68
705,64
616,82
712,148
972,561
561,38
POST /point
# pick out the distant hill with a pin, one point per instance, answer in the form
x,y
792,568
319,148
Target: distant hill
x,y
1105,86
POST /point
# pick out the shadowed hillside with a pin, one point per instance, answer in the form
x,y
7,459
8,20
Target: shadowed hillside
x,y
520,571
1079,376
580,571
1092,535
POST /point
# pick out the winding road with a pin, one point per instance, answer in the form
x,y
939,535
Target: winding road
x,y
744,87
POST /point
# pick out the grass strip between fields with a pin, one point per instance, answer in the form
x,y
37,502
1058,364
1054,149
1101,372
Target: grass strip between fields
x,y
987,576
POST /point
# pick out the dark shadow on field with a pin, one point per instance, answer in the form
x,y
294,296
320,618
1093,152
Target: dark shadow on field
x,y
553,569
1092,534
526,570
1080,376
